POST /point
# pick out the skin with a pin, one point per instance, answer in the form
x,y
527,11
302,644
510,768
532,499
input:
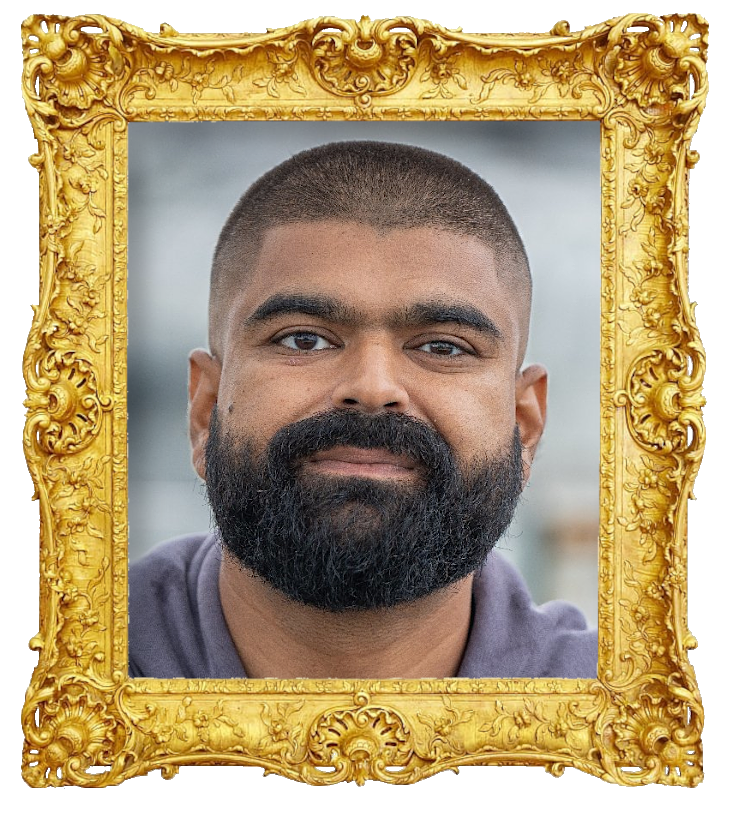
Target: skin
x,y
376,352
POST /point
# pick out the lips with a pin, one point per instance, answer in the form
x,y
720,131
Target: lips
x,y
373,463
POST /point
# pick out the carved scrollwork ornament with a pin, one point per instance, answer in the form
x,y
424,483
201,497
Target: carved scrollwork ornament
x,y
664,402
66,409
68,66
364,59
361,742
654,66
659,733
71,727
84,79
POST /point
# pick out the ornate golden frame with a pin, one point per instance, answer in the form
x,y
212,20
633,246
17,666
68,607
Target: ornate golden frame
x,y
85,721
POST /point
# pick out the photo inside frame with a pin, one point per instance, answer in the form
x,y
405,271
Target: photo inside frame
x,y
184,179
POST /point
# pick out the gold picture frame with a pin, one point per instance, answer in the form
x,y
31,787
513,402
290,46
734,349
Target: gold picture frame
x,y
85,721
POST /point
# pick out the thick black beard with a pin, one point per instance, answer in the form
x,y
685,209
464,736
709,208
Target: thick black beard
x,y
340,543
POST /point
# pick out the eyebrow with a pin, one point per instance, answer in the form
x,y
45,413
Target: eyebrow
x,y
432,312
313,305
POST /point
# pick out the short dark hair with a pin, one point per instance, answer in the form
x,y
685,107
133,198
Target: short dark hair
x,y
379,184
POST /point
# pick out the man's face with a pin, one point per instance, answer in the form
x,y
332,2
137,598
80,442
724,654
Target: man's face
x,y
338,317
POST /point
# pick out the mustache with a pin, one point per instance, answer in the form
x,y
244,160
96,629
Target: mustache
x,y
399,434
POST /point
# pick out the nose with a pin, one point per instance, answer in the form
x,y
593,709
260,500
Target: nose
x,y
370,380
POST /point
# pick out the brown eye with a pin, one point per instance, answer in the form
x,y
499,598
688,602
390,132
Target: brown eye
x,y
304,341
442,348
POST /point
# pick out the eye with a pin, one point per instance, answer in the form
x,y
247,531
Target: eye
x,y
442,348
304,341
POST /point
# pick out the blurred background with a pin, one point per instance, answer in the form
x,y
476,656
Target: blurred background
x,y
184,179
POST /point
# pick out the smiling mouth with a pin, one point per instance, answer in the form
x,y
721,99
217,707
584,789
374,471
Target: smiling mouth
x,y
358,462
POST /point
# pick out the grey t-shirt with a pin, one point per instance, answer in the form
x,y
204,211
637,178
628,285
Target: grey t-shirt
x,y
177,627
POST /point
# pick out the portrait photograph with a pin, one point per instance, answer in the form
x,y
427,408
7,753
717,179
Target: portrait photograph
x,y
184,179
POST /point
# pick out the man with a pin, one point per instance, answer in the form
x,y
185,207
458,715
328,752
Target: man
x,y
364,428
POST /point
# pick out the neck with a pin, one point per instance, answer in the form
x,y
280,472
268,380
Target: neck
x,y
280,638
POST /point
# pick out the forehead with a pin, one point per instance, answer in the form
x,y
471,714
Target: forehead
x,y
374,269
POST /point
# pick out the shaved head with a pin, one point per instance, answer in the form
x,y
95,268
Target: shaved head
x,y
378,184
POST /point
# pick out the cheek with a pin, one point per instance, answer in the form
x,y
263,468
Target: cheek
x,y
258,402
477,423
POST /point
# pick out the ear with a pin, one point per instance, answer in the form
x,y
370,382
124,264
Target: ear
x,y
205,375
531,411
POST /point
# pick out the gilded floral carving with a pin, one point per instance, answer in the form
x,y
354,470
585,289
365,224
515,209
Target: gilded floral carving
x,y
565,74
201,76
446,738
284,730
282,73
442,73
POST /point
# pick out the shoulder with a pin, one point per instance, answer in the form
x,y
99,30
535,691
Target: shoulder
x,y
163,605
511,636
168,565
